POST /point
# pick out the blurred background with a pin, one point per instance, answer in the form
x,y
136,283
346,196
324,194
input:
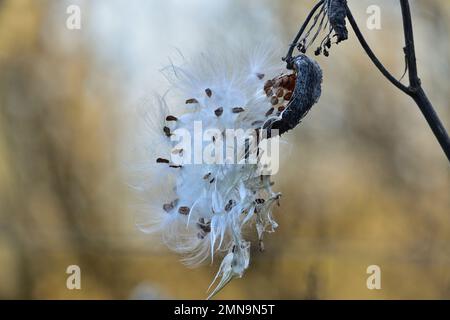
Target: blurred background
x,y
365,183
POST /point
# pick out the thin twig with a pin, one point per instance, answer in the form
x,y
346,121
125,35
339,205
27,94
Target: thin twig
x,y
372,55
415,89
410,51
288,57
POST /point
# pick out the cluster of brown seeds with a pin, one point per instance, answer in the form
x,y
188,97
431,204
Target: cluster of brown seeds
x,y
218,112
168,207
279,91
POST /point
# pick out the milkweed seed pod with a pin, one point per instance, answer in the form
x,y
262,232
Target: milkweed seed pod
x,y
306,84
203,209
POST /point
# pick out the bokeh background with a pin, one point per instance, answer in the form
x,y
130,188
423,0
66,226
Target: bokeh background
x,y
365,181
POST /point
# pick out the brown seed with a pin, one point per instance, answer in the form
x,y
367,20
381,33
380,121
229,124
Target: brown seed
x,y
274,101
281,109
288,96
167,131
201,236
261,246
189,101
269,92
184,210
280,92
205,226
268,113
268,84
162,160
238,110
208,92
230,205
260,76
291,83
219,111
168,207
206,176
277,83
171,118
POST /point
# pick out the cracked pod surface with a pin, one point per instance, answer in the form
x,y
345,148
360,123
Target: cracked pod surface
x,y
306,82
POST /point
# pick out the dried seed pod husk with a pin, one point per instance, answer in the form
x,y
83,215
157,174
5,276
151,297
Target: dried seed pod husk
x,y
306,93
337,12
